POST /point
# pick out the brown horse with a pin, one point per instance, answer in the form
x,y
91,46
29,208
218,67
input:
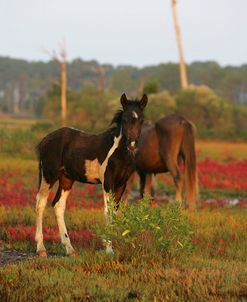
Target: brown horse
x,y
161,147
68,155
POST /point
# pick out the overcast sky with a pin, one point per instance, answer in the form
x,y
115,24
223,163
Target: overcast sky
x,y
136,32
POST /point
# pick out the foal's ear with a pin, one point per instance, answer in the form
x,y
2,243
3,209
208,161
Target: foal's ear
x,y
123,100
144,101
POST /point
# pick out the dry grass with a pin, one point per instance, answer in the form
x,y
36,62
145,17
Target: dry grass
x,y
221,151
215,271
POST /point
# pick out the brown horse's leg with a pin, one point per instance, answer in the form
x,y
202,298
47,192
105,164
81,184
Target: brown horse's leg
x,y
65,185
118,194
169,156
129,187
178,182
148,190
179,185
142,183
41,201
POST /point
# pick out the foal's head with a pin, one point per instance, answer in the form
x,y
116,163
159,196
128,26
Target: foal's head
x,y
132,120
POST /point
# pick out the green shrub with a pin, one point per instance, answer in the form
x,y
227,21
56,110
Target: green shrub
x,y
42,126
144,228
18,142
151,86
159,105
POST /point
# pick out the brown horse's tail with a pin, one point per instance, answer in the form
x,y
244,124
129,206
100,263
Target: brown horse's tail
x,y
189,153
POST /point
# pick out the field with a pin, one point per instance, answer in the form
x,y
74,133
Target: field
x,y
211,268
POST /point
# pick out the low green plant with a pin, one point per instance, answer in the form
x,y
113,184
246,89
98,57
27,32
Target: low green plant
x,y
146,228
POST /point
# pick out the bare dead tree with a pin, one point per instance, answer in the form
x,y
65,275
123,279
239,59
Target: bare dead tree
x,y
182,66
63,68
62,61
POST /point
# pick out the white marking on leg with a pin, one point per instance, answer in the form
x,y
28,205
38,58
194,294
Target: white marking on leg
x,y
41,201
108,219
59,211
108,243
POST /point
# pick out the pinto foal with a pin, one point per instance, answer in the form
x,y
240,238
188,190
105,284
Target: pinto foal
x,y
68,155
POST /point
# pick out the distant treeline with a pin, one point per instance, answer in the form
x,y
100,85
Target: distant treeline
x,y
92,109
24,84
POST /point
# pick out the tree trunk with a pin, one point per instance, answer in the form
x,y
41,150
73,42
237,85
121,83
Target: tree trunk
x,y
63,86
182,66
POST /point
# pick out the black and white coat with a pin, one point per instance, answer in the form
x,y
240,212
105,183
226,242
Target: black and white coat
x,y
68,155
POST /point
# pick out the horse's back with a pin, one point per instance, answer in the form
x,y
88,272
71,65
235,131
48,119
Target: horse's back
x,y
170,123
160,142
57,139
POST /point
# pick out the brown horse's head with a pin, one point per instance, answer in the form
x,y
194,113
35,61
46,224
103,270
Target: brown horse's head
x,y
132,120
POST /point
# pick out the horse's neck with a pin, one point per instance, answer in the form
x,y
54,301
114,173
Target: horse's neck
x,y
109,141
112,133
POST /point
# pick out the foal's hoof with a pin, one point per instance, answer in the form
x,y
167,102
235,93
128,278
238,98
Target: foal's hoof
x,y
73,254
42,253
109,250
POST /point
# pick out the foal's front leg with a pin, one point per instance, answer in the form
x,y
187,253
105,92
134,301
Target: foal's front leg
x,y
108,212
108,217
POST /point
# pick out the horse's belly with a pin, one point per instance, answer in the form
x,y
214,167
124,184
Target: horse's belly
x,y
152,167
149,160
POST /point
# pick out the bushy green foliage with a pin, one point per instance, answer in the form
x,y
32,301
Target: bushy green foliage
x,y
159,105
142,226
213,116
18,142
41,127
33,79
151,86
91,109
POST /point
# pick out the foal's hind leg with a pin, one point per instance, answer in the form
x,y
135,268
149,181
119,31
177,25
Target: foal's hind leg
x,y
41,201
64,188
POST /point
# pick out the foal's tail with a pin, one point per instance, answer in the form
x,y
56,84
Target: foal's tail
x,y
40,174
189,152
37,149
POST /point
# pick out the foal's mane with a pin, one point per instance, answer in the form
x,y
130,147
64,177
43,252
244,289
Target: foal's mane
x,y
117,118
115,124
